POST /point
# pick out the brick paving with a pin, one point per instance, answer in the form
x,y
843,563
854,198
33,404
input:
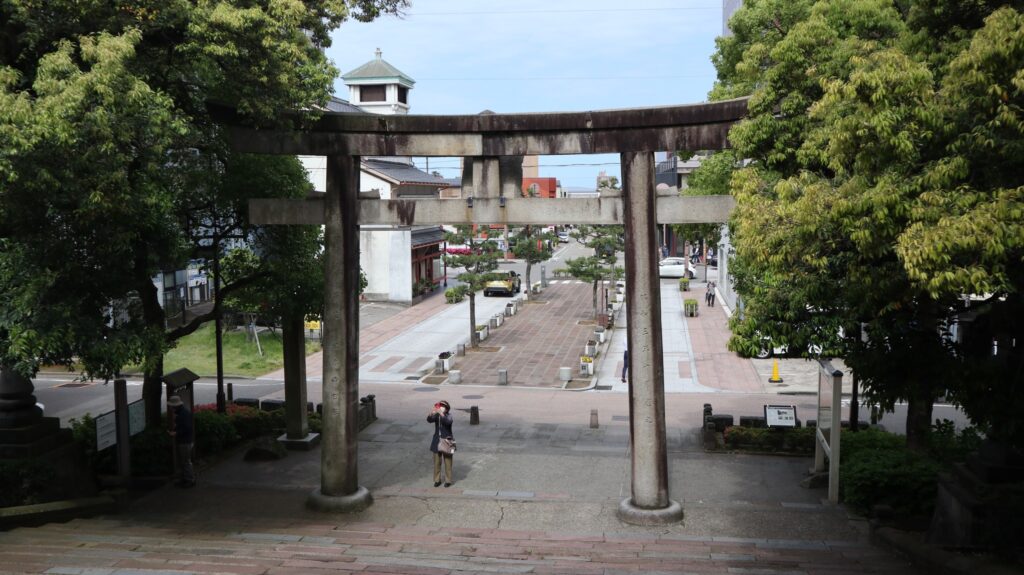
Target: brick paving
x,y
334,544
549,332
716,366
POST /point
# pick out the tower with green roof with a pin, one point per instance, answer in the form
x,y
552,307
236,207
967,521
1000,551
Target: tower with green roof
x,y
379,87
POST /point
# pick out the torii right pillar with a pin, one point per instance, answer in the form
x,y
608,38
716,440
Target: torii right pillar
x,y
649,503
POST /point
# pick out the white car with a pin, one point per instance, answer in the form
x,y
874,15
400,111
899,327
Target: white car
x,y
676,268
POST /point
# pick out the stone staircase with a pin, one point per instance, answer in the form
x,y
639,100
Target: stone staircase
x,y
122,546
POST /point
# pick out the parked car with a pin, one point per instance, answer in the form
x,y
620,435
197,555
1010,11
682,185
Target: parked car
x,y
507,284
676,268
563,237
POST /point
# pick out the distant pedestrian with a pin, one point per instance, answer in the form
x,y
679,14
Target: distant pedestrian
x,y
625,364
441,417
710,295
664,251
183,434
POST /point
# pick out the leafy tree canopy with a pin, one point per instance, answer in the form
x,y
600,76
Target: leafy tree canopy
x,y
882,190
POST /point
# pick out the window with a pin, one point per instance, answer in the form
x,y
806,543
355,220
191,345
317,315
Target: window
x,y
403,94
372,93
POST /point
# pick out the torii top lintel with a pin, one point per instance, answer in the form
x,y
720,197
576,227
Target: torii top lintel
x,y
703,126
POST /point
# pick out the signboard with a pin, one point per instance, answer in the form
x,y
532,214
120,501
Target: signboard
x,y
106,430
313,325
830,387
780,415
136,417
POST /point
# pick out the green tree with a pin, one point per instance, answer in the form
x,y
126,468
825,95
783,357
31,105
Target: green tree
x,y
875,145
606,241
112,166
533,246
478,266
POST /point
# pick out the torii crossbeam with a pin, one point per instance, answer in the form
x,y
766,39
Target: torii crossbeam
x,y
493,146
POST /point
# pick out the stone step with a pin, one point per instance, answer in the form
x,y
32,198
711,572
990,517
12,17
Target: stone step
x,y
117,545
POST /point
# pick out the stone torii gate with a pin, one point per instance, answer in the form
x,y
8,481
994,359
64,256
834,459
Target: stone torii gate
x,y
493,147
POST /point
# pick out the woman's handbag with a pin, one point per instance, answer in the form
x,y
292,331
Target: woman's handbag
x,y
446,445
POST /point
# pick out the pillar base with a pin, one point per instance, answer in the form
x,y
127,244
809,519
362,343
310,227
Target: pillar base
x,y
352,503
629,513
306,443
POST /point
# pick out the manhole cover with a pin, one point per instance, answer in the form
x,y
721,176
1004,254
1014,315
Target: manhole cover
x,y
603,387
74,384
424,389
472,397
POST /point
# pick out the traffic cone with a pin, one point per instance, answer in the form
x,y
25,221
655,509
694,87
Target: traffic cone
x,y
775,378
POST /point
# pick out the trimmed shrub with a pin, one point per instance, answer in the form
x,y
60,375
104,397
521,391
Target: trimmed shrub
x,y
213,432
854,443
455,294
797,440
250,422
895,477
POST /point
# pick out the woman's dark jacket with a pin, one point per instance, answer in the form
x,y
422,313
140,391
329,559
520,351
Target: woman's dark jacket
x,y
445,428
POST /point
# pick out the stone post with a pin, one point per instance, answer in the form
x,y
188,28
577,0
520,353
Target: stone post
x,y
649,503
339,486
297,434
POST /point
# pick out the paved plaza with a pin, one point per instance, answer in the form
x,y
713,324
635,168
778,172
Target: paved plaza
x,y
536,486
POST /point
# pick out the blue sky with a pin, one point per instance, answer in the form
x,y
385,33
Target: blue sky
x,y
542,56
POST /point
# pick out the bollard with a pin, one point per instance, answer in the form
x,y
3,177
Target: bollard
x,y
502,377
455,376
460,350
508,310
494,323
565,373
593,419
231,392
474,415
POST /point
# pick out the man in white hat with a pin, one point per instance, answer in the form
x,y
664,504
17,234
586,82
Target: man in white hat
x,y
183,432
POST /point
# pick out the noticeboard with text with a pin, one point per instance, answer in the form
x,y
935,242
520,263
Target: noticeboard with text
x,y
780,415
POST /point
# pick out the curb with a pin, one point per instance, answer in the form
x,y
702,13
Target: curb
x,y
66,510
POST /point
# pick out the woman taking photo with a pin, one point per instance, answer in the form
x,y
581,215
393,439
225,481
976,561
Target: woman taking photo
x,y
442,445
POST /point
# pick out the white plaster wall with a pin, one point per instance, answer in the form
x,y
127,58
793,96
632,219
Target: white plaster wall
x,y
385,256
316,167
369,182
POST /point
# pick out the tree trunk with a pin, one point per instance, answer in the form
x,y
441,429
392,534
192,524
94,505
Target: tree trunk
x,y
594,297
154,318
529,266
473,341
919,416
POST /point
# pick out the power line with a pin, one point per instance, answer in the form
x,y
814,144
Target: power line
x,y
564,11
573,78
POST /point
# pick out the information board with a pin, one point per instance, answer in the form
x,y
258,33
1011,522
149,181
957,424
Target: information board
x,y
780,415
136,417
106,430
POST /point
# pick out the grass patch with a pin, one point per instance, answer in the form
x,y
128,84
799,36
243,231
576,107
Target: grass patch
x,y
198,352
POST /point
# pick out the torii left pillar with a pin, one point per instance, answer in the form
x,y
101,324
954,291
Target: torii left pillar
x,y
339,479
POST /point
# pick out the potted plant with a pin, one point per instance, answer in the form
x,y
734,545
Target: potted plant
x,y
481,332
446,360
599,333
690,307
591,348
586,365
684,284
